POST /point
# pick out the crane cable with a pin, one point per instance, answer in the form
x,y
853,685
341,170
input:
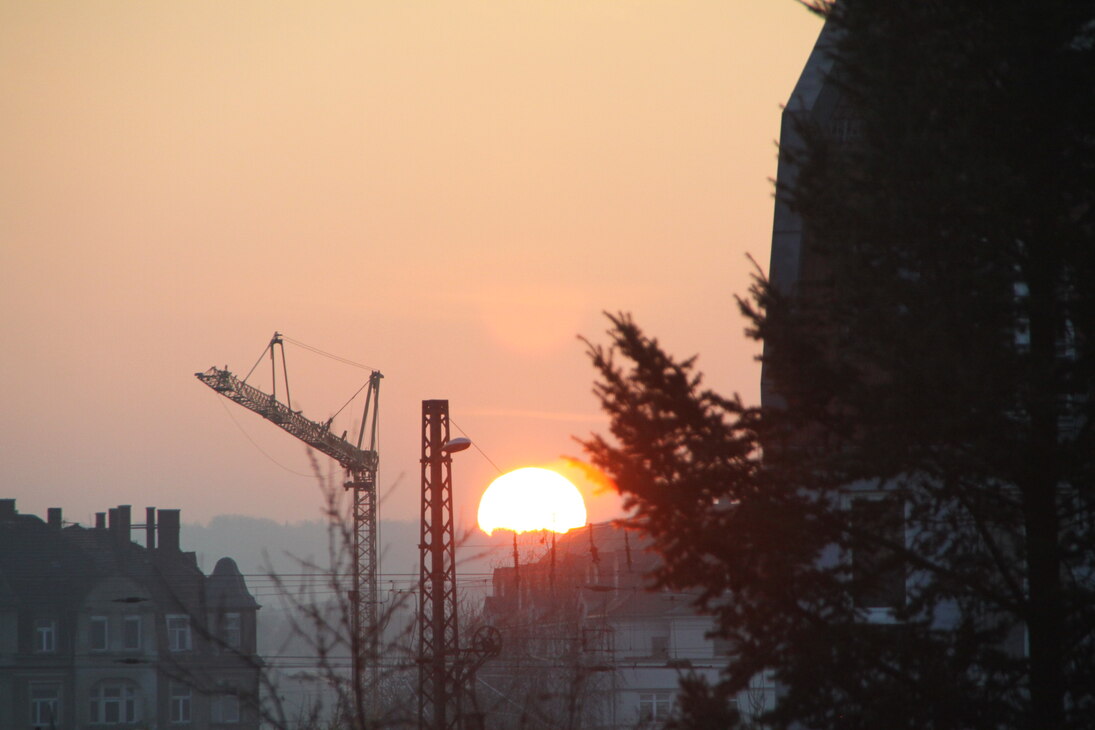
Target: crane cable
x,y
352,397
337,358
255,443
318,351
257,361
324,353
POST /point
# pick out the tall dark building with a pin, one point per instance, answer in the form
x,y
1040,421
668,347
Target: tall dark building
x,y
927,359
817,101
97,630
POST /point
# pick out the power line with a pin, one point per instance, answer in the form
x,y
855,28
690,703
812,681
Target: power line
x,y
476,445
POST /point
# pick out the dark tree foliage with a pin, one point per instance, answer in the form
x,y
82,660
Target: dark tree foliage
x,y
936,355
703,707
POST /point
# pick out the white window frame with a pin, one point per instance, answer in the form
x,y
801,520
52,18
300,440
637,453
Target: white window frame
x,y
127,623
880,614
95,625
45,636
232,630
45,704
178,632
114,702
226,709
655,706
181,701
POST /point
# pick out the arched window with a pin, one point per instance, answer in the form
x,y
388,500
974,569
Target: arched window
x,y
114,702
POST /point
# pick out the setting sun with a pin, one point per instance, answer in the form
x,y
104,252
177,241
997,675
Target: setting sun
x,y
530,499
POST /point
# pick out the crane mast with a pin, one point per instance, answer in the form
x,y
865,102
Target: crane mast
x,y
361,467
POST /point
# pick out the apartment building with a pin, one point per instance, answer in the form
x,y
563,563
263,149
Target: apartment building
x,y
585,637
97,630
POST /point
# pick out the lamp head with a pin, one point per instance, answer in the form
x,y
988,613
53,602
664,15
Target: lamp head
x,y
457,444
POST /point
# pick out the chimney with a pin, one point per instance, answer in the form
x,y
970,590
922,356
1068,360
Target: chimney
x,y
150,527
53,517
7,509
100,520
119,523
169,530
125,519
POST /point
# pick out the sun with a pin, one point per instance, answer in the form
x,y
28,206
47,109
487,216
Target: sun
x,y
531,499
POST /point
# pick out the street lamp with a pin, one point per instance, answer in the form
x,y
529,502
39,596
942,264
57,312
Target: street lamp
x,y
457,444
438,684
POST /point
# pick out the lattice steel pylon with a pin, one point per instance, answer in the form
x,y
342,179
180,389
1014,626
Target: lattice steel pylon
x,y
438,673
361,467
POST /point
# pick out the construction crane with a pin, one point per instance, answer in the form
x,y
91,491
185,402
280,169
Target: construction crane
x,y
360,463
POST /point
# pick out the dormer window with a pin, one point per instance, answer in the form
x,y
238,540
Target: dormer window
x,y
232,630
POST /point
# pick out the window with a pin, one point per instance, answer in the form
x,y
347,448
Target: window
x,y
97,633
45,704
232,630
659,647
878,575
178,633
45,636
180,703
846,129
131,633
723,647
226,708
113,703
655,706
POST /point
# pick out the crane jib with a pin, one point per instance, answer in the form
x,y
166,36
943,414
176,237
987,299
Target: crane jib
x,y
316,435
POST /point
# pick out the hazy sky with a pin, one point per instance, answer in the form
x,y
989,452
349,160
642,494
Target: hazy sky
x,y
447,191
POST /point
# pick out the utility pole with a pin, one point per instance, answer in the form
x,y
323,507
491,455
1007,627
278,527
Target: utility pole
x,y
446,672
438,681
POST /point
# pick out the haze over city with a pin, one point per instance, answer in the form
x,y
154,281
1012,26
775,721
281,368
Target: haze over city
x,y
448,193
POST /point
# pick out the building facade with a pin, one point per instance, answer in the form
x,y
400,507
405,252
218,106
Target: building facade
x,y
816,101
99,631
586,640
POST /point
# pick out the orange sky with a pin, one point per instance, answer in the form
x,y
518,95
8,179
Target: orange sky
x,y
447,191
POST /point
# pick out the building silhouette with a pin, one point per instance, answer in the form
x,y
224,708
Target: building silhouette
x,y
97,630
817,102
906,509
